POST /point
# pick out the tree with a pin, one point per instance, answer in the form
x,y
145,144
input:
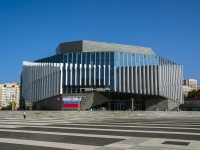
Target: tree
x,y
9,107
194,94
198,93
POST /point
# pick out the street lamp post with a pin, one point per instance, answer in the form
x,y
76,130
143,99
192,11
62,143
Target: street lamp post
x,y
177,104
132,104
78,103
12,102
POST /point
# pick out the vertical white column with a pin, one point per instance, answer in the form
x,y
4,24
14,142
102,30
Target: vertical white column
x,y
148,85
136,80
115,86
99,75
104,75
49,79
66,78
165,82
168,81
57,79
46,86
71,67
36,67
51,82
31,96
144,78
58,76
40,81
108,74
127,78
176,84
54,78
172,83
85,67
90,67
80,74
155,79
94,74
160,80
152,82
75,74
120,79
180,82
140,80
124,88
44,80
61,78
37,82
132,85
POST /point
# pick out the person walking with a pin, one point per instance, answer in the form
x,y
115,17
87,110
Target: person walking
x,y
24,115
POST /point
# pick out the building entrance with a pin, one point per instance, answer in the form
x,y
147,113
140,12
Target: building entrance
x,y
139,107
121,105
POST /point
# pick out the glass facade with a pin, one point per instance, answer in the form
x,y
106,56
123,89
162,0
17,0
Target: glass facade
x,y
114,71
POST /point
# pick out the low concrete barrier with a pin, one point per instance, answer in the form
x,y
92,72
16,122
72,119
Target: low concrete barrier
x,y
96,114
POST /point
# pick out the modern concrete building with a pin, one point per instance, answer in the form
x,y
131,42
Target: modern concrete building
x,y
97,75
9,92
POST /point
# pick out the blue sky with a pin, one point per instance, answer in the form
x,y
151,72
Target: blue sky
x,y
32,29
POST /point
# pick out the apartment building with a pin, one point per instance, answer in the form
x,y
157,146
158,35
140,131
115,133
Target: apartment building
x,y
192,83
9,92
189,85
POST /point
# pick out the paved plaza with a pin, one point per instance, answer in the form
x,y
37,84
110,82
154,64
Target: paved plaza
x,y
100,133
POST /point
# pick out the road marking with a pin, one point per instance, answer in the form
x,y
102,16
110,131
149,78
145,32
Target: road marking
x,y
138,126
69,134
117,130
48,144
158,142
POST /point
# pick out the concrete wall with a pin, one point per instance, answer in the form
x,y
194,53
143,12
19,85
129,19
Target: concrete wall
x,y
52,103
160,104
92,46
156,104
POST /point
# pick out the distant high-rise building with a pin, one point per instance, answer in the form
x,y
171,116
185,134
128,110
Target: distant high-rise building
x,y
186,89
192,83
9,92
